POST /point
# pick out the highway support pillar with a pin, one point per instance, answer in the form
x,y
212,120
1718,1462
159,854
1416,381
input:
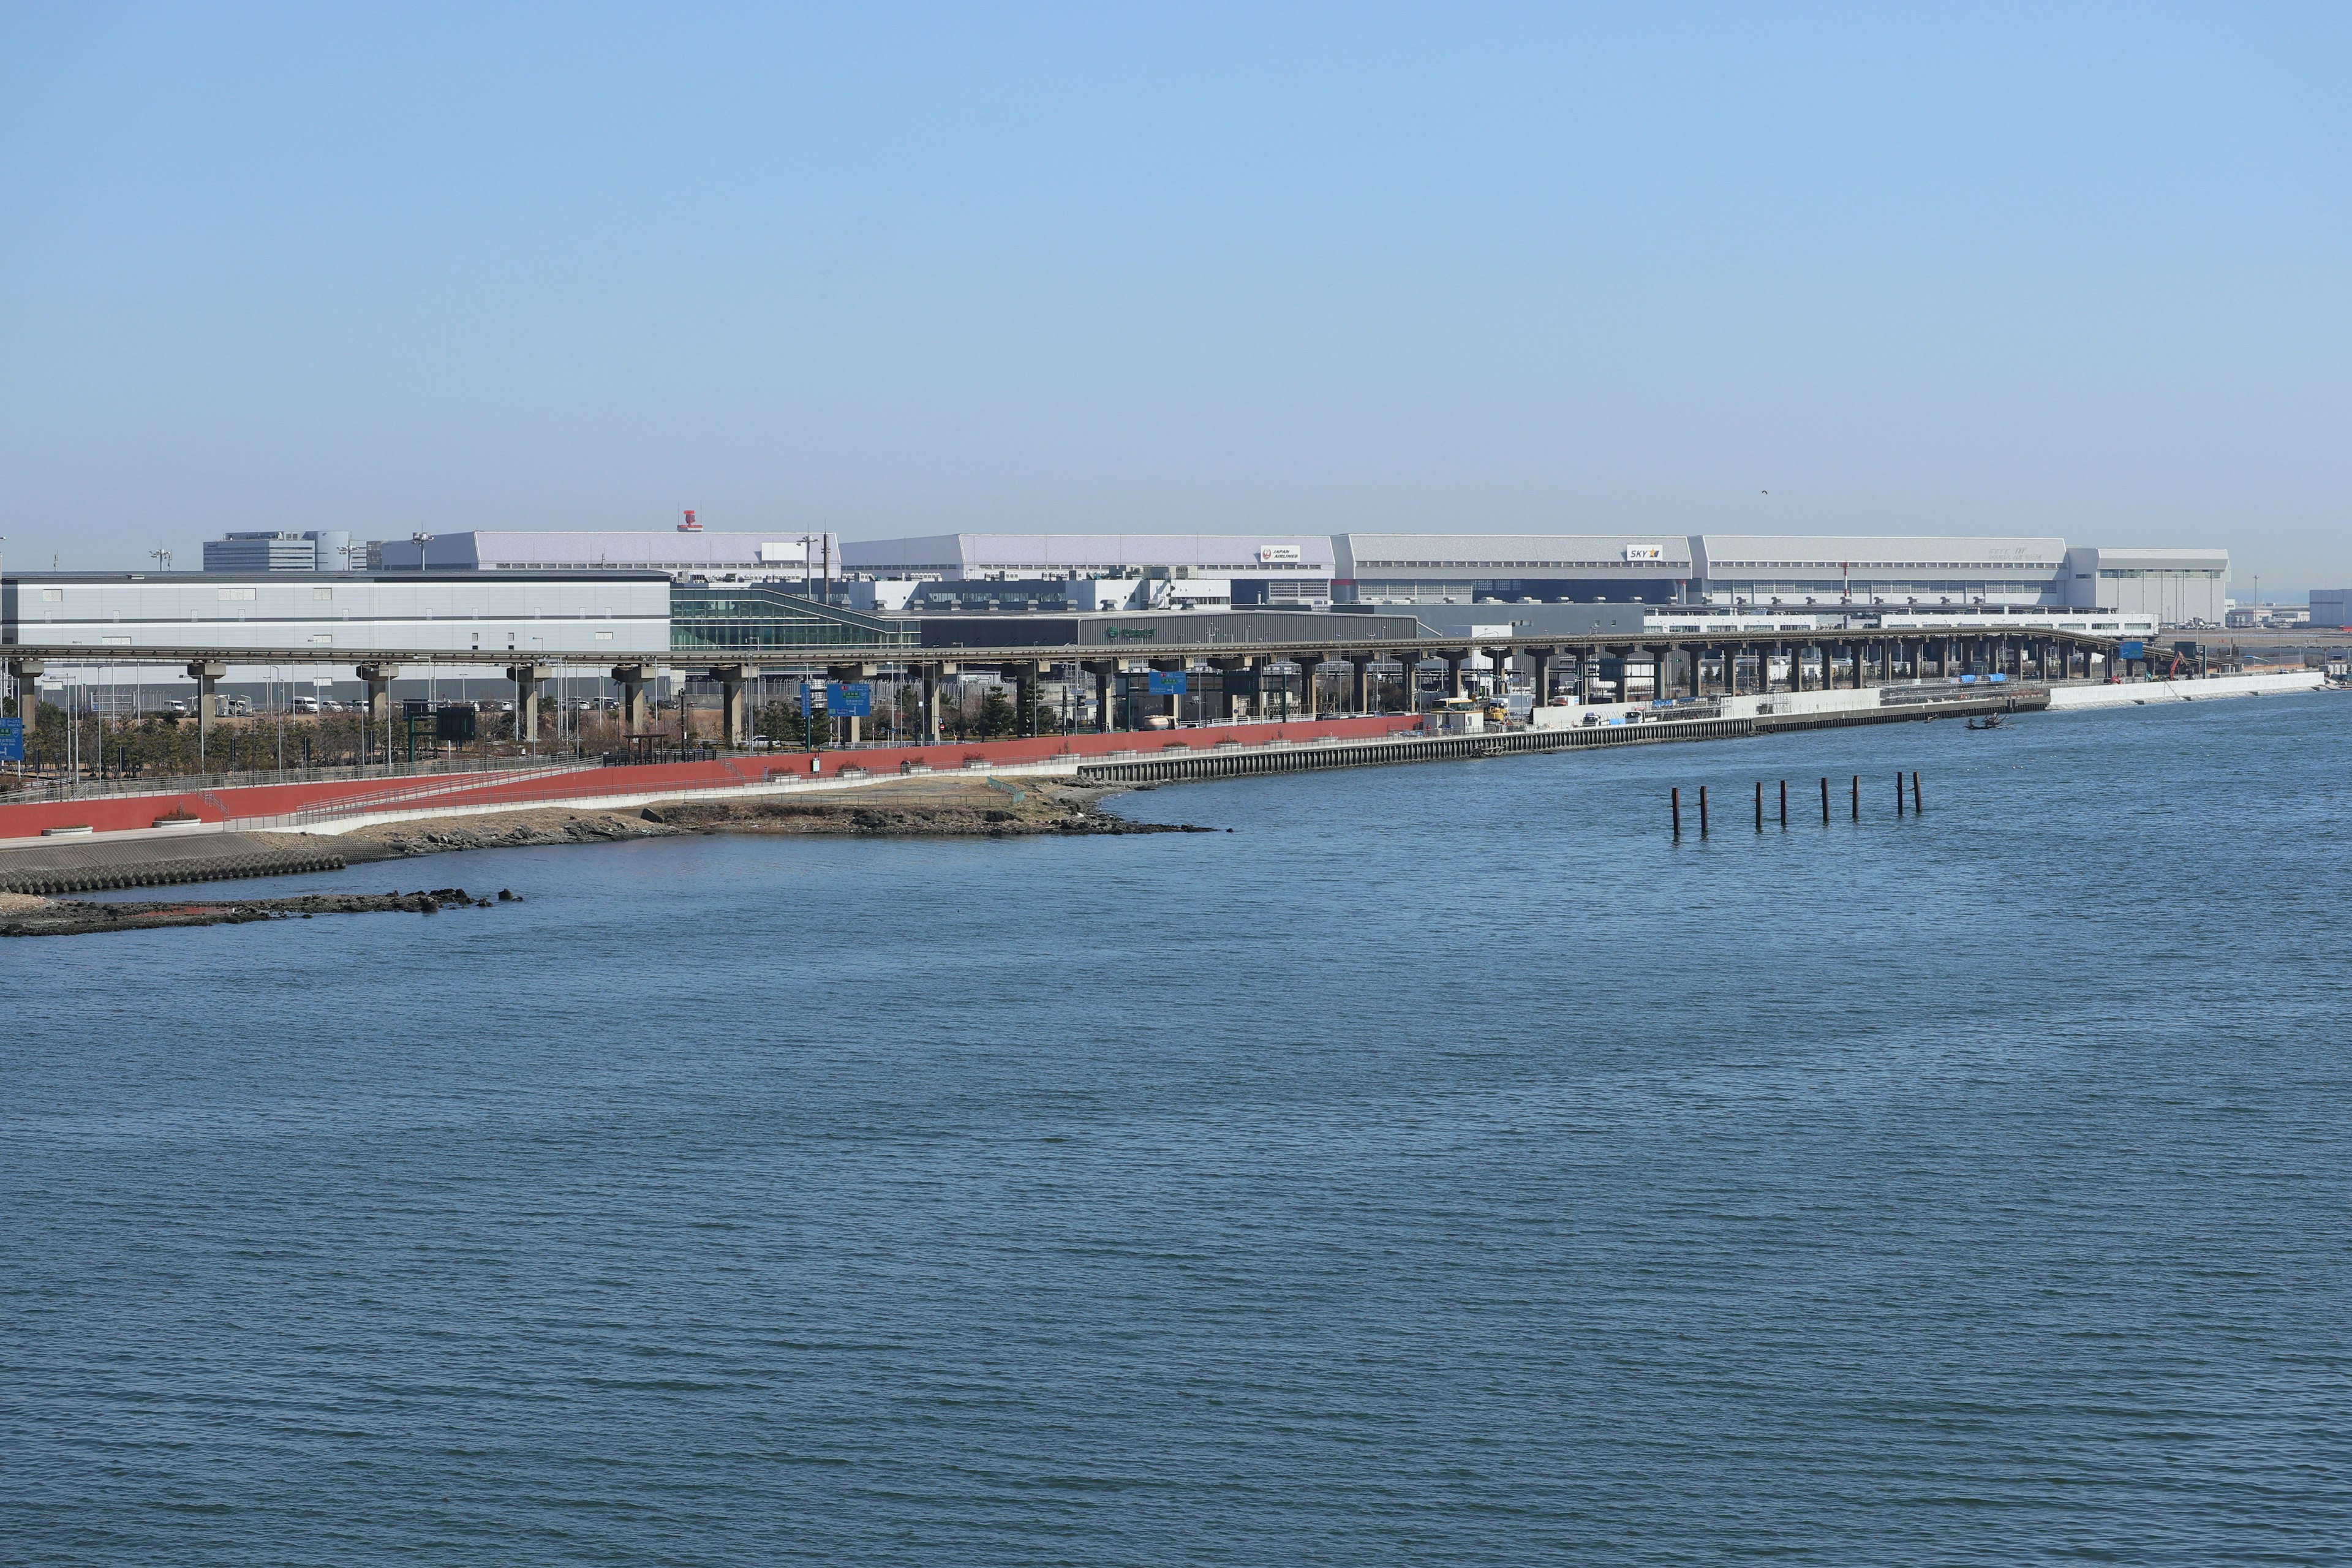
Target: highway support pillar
x,y
378,678
933,673
1409,681
1228,667
1539,673
1105,671
636,712
1359,682
1455,659
1025,695
845,673
1175,701
1308,702
25,674
735,701
527,679
1498,659
206,673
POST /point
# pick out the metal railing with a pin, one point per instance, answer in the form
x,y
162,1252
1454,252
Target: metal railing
x,y
49,789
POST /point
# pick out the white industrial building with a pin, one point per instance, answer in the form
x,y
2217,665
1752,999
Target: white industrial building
x,y
2179,587
626,614
789,557
1540,568
1796,570
1288,569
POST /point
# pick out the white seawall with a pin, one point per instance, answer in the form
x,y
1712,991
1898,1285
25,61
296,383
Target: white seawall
x,y
2140,692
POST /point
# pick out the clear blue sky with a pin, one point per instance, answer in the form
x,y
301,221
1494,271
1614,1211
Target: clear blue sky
x,y
2046,269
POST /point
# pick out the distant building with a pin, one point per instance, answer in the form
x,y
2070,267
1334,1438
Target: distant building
x,y
2332,607
1282,569
619,612
779,557
320,549
1511,568
2179,587
1799,571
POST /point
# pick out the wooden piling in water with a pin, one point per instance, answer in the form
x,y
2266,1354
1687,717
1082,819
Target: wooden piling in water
x,y
1701,811
1825,803
1784,802
1898,793
1759,806
1857,797
1678,810
1916,809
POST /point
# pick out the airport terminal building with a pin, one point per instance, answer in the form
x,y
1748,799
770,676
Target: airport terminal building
x,y
1522,568
1830,571
1265,569
680,553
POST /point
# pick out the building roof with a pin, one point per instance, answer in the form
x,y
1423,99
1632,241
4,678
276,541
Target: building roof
x,y
971,553
1717,552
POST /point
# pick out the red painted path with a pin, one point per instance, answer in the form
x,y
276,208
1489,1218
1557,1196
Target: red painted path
x,y
114,813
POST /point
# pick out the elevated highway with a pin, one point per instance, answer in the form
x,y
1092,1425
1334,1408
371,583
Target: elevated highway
x,y
1727,663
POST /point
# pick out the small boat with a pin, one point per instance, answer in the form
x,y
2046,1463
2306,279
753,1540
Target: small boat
x,y
1989,722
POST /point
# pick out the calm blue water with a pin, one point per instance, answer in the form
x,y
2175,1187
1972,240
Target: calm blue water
x,y
1443,1167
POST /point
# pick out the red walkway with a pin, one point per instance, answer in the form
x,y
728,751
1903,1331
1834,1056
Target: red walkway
x,y
343,798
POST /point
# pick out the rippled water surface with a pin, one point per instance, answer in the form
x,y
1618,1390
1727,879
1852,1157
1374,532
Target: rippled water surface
x,y
1444,1166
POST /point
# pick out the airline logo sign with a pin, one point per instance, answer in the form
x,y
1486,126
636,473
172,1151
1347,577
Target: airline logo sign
x,y
1646,552
1277,555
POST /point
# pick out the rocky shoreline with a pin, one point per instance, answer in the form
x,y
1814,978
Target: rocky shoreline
x,y
959,808
26,916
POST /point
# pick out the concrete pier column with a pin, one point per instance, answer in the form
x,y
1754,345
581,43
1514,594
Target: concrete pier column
x,y
1360,683
1103,671
1408,681
527,679
1228,668
734,700
636,709
845,673
1022,673
1455,659
1498,659
1308,664
206,673
1539,672
378,678
1175,702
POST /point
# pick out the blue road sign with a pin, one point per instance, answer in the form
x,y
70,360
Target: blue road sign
x,y
1167,684
2134,650
849,699
12,739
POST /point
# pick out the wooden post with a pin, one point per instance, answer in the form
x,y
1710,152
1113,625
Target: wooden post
x,y
1784,804
1678,813
1857,797
1916,809
1825,803
1899,794
1759,806
1701,811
